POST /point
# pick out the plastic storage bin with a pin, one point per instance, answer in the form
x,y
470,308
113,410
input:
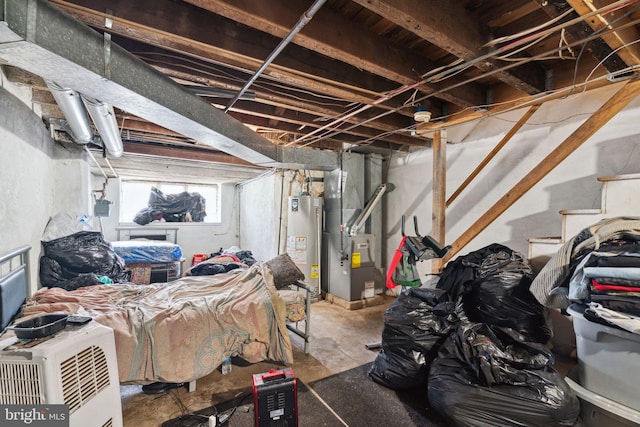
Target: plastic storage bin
x,y
598,411
608,360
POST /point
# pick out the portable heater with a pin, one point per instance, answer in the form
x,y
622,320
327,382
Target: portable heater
x,y
275,399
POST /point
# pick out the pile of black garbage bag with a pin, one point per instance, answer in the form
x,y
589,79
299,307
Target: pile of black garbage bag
x,y
81,259
172,207
477,342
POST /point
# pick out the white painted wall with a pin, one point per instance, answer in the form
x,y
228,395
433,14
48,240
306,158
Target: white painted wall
x,y
260,213
614,149
193,238
263,209
38,178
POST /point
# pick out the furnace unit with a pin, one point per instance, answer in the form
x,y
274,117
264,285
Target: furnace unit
x,y
353,226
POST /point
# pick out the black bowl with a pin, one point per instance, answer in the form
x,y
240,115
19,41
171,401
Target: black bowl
x,y
40,326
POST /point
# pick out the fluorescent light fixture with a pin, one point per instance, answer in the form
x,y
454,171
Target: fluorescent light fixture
x,y
71,106
104,118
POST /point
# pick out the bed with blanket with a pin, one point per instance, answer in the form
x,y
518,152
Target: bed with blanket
x,y
180,331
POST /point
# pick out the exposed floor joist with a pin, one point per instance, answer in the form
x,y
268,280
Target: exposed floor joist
x,y
624,42
447,24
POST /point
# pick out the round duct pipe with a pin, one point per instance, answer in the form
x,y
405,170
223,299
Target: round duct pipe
x,y
71,106
104,118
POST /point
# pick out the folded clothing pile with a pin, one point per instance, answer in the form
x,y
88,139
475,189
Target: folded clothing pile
x,y
607,281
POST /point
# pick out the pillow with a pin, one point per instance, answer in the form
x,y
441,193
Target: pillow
x,y
284,271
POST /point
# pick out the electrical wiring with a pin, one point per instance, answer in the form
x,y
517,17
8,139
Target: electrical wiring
x,y
334,124
601,11
507,57
506,67
266,89
584,45
444,67
586,80
526,39
563,41
528,31
528,101
200,68
440,76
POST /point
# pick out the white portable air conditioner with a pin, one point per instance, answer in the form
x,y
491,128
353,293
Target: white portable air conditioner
x,y
77,367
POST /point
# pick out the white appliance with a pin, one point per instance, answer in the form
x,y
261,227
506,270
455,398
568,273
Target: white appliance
x,y
77,367
304,237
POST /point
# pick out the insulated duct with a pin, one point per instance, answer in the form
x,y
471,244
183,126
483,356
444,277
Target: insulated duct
x,y
104,118
71,106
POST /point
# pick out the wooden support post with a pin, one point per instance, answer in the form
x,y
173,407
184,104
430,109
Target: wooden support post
x,y
438,208
605,113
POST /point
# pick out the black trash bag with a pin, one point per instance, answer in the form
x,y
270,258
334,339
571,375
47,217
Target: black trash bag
x,y
494,284
147,215
460,272
491,376
210,269
174,207
415,325
80,255
53,275
246,257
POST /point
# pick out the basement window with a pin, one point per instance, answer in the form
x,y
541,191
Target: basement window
x,y
135,196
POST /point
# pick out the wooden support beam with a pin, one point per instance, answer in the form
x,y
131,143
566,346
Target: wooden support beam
x,y
606,112
439,185
438,208
493,152
616,39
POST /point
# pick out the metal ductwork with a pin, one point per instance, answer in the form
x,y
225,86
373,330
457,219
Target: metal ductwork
x,y
71,106
78,108
40,38
104,118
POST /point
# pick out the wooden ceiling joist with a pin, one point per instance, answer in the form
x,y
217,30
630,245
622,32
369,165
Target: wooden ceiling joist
x,y
350,43
188,30
448,25
624,41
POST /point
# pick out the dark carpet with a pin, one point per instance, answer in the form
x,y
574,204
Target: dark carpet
x,y
311,412
351,395
359,401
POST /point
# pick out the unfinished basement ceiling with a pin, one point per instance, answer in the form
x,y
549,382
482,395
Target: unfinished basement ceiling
x,y
357,71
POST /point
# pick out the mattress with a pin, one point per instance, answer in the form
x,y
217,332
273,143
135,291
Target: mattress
x,y
147,251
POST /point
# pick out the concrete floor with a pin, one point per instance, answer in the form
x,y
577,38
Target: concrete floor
x,y
337,344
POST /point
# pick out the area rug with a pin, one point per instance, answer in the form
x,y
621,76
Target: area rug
x,y
349,398
359,401
311,411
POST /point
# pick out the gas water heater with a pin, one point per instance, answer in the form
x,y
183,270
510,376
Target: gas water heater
x,y
304,237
